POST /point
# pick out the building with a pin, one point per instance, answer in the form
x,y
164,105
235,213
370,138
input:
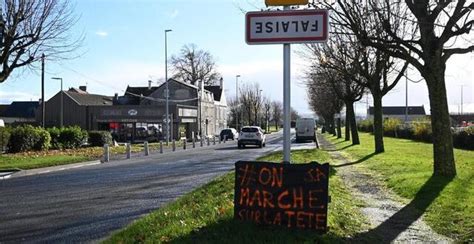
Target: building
x,y
398,112
140,113
19,112
77,104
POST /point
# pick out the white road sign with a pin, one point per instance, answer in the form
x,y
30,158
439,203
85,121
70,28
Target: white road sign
x,y
293,26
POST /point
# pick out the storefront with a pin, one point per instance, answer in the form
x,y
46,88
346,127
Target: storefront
x,y
144,123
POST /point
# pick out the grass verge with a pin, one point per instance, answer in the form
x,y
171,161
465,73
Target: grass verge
x,y
407,167
32,160
206,216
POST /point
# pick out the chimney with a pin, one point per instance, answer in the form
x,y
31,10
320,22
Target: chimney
x,y
222,83
149,85
83,88
115,100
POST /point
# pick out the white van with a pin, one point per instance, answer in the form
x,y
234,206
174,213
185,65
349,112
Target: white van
x,y
305,129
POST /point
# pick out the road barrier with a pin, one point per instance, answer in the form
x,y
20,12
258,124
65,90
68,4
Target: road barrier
x,y
214,140
208,141
174,145
106,153
184,144
194,142
129,150
161,147
201,141
225,138
146,148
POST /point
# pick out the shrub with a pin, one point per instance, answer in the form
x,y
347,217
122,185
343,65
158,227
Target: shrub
x,y
99,138
390,126
26,138
464,139
366,125
72,137
4,137
54,133
422,130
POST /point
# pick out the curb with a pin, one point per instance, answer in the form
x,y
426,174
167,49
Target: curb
x,y
20,173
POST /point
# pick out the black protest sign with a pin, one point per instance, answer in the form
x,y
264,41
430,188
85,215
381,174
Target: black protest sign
x,y
290,195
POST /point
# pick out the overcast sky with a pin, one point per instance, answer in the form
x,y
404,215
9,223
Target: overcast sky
x,y
124,45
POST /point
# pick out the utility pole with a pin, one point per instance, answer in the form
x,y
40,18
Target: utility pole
x,y
43,102
406,96
167,91
237,102
462,101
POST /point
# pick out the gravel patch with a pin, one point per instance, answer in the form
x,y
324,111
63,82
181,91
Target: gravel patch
x,y
391,220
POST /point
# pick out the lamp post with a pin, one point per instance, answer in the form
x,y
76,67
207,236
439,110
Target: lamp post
x,y
167,93
237,101
61,108
259,93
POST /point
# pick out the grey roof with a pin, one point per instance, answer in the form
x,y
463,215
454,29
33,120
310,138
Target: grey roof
x,y
216,90
400,110
21,110
89,99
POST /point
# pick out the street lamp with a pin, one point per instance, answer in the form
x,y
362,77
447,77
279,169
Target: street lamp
x,y
259,93
167,93
61,108
237,101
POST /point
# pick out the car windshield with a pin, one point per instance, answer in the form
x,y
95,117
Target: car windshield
x,y
249,129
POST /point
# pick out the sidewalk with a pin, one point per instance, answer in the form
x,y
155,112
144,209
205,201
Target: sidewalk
x,y
391,220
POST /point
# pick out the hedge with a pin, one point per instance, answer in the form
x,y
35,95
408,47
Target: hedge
x,y
419,130
99,138
68,137
27,138
4,137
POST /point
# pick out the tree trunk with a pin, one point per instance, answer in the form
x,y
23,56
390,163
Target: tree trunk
x,y
441,125
352,123
378,123
333,127
347,134
339,132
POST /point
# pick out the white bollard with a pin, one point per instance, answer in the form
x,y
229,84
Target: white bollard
x,y
146,148
225,138
106,153
129,151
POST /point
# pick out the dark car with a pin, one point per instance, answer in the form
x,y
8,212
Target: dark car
x,y
229,134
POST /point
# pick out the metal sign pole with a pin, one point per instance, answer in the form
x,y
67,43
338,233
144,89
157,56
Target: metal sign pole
x,y
286,101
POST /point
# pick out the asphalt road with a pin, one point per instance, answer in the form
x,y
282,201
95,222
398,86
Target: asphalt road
x,y
86,204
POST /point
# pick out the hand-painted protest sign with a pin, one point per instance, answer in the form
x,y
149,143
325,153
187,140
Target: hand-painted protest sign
x,y
290,195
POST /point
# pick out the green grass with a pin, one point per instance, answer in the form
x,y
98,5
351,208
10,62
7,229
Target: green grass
x,y
32,160
407,167
206,216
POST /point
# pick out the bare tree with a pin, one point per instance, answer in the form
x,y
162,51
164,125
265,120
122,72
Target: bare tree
x,y
323,101
29,29
425,34
194,66
277,111
336,62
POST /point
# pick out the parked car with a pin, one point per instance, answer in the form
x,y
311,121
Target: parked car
x,y
229,133
251,135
